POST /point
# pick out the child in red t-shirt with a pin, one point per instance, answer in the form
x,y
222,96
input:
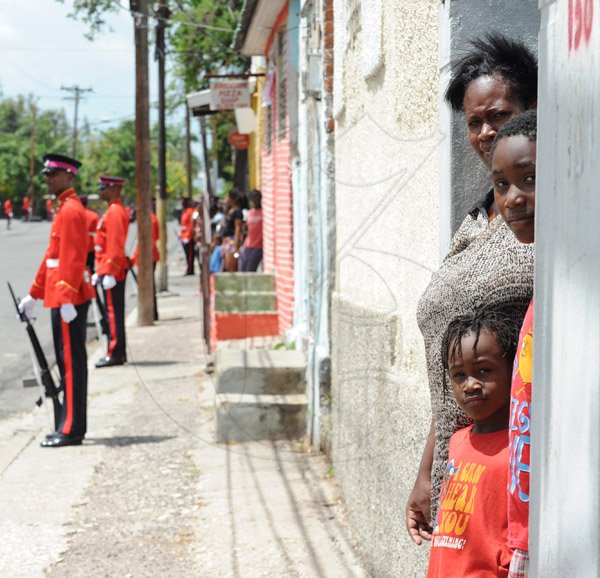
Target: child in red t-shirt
x,y
469,536
513,175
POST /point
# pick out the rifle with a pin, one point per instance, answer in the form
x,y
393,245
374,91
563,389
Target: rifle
x,y
50,389
102,311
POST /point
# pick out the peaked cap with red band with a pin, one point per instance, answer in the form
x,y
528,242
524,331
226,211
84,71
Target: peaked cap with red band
x,y
54,162
107,181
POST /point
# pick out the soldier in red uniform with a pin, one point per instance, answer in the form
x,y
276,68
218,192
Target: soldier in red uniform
x,y
155,254
111,267
26,208
186,234
49,209
62,281
8,211
91,218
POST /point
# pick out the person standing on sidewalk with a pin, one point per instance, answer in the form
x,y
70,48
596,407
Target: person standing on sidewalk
x,y
252,250
62,281
186,234
111,267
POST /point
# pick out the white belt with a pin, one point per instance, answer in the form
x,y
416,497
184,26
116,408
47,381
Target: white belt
x,y
51,263
98,248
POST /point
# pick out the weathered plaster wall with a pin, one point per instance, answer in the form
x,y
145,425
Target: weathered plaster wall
x,y
386,170
404,179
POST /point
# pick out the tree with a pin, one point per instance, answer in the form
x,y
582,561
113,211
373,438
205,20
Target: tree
x,y
16,126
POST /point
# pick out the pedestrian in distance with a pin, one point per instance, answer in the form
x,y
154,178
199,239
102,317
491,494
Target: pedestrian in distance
x,y
513,176
252,249
485,266
232,230
26,209
216,256
470,532
63,282
49,209
112,265
186,234
8,211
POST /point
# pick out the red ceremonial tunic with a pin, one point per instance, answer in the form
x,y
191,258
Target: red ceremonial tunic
x,y
62,276
469,537
187,226
91,218
7,206
111,236
155,234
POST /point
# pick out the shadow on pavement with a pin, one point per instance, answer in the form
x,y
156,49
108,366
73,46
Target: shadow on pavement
x,y
154,363
122,441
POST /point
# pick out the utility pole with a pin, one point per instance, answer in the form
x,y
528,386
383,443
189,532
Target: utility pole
x,y
32,157
161,205
205,239
77,92
188,151
139,10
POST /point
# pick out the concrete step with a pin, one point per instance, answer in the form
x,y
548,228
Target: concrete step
x,y
260,371
241,282
244,417
245,302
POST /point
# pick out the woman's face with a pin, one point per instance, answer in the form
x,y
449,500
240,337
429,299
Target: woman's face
x,y
488,105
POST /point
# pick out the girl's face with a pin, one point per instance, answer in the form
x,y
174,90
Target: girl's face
x,y
480,380
488,105
513,175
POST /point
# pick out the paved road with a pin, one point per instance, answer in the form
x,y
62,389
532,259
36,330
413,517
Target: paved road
x,y
21,249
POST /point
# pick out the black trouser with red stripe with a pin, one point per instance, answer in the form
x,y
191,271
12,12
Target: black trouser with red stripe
x,y
114,303
71,357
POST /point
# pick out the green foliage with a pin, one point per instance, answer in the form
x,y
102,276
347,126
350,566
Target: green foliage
x,y
201,38
200,35
16,125
92,12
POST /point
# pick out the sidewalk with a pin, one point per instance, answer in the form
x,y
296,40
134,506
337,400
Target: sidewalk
x,y
149,493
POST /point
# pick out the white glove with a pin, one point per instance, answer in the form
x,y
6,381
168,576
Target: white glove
x,y
108,281
26,306
68,312
185,241
94,279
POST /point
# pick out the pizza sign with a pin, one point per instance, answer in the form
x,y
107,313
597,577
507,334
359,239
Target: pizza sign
x,y
229,94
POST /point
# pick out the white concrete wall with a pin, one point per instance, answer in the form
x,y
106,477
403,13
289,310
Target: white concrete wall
x,y
404,179
564,514
386,177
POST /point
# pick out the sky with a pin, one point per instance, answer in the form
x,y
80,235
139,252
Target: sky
x,y
42,49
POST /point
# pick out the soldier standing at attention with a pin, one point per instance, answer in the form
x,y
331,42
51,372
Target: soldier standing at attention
x,y
63,283
26,208
155,254
91,218
8,211
111,267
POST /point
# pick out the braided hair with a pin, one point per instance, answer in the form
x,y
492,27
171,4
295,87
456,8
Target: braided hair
x,y
499,324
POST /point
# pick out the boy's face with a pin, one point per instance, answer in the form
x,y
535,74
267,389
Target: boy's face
x,y
480,381
513,175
